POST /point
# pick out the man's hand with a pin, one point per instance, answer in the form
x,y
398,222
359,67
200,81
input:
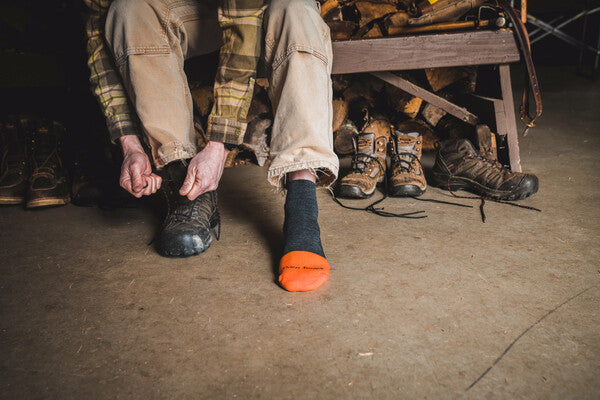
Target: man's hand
x,y
205,170
136,172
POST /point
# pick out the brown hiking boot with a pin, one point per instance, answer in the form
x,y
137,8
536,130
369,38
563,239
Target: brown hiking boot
x,y
459,167
407,178
368,161
48,184
15,163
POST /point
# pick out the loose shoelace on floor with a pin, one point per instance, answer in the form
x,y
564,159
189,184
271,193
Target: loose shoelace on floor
x,y
380,210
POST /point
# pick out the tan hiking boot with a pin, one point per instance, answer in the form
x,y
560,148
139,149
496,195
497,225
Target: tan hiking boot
x,y
368,161
406,178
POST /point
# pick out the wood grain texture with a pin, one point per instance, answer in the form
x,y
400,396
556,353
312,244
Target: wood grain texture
x,y
424,51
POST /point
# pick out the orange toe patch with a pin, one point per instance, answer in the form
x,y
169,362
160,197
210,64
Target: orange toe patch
x,y
301,271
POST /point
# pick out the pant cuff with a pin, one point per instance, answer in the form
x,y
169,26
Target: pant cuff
x,y
325,171
172,152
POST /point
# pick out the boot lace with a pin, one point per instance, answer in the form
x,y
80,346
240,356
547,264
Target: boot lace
x,y
498,168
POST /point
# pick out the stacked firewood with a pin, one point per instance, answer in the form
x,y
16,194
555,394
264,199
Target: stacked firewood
x,y
358,19
360,98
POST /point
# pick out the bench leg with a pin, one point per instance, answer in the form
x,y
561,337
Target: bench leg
x,y
506,122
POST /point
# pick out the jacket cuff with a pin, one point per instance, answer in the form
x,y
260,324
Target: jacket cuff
x,y
225,130
116,129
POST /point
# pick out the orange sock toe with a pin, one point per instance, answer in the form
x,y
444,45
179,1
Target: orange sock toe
x,y
301,271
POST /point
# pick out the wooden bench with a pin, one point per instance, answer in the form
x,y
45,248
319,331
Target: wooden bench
x,y
487,47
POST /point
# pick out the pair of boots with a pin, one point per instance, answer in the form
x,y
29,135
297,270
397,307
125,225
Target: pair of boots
x,y
369,162
31,171
458,166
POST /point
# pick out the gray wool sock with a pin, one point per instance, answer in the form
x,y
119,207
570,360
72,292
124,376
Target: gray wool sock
x,y
301,227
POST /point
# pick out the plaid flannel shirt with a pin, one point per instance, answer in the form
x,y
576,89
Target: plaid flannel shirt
x,y
241,23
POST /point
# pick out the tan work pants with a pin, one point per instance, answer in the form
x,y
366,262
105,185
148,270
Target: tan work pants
x,y
150,40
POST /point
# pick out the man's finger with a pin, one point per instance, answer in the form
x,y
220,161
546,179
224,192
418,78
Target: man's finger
x,y
188,183
196,191
157,180
125,181
147,191
137,181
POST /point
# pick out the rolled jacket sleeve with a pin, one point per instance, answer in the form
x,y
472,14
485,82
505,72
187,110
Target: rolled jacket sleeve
x,y
241,23
104,78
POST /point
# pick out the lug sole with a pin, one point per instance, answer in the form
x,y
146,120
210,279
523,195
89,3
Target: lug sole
x,y
352,192
47,202
6,200
405,191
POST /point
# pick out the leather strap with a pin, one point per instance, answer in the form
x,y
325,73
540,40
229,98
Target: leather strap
x,y
531,76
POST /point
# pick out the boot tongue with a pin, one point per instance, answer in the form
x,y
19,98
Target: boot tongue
x,y
45,143
405,143
366,143
465,148
15,141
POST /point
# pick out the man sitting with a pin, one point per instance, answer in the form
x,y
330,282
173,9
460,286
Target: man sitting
x,y
137,50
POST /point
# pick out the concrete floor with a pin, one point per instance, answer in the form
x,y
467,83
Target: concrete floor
x,y
413,308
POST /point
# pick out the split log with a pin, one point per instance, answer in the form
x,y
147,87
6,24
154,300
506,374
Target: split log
x,y
330,7
260,105
230,161
343,138
363,86
439,78
444,11
432,114
395,20
373,32
401,101
257,138
340,113
203,98
342,30
370,11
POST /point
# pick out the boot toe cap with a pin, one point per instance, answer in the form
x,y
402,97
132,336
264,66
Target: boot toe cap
x,y
183,243
528,186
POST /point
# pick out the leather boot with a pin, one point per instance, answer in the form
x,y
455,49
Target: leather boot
x,y
190,225
14,167
368,162
459,167
48,183
407,178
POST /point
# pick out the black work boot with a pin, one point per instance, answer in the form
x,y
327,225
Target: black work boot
x,y
14,168
459,167
48,183
189,226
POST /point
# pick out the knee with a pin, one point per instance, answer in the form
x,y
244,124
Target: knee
x,y
295,8
132,24
297,24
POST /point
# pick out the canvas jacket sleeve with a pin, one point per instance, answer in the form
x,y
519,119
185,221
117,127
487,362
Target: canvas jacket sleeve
x,y
104,78
241,23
